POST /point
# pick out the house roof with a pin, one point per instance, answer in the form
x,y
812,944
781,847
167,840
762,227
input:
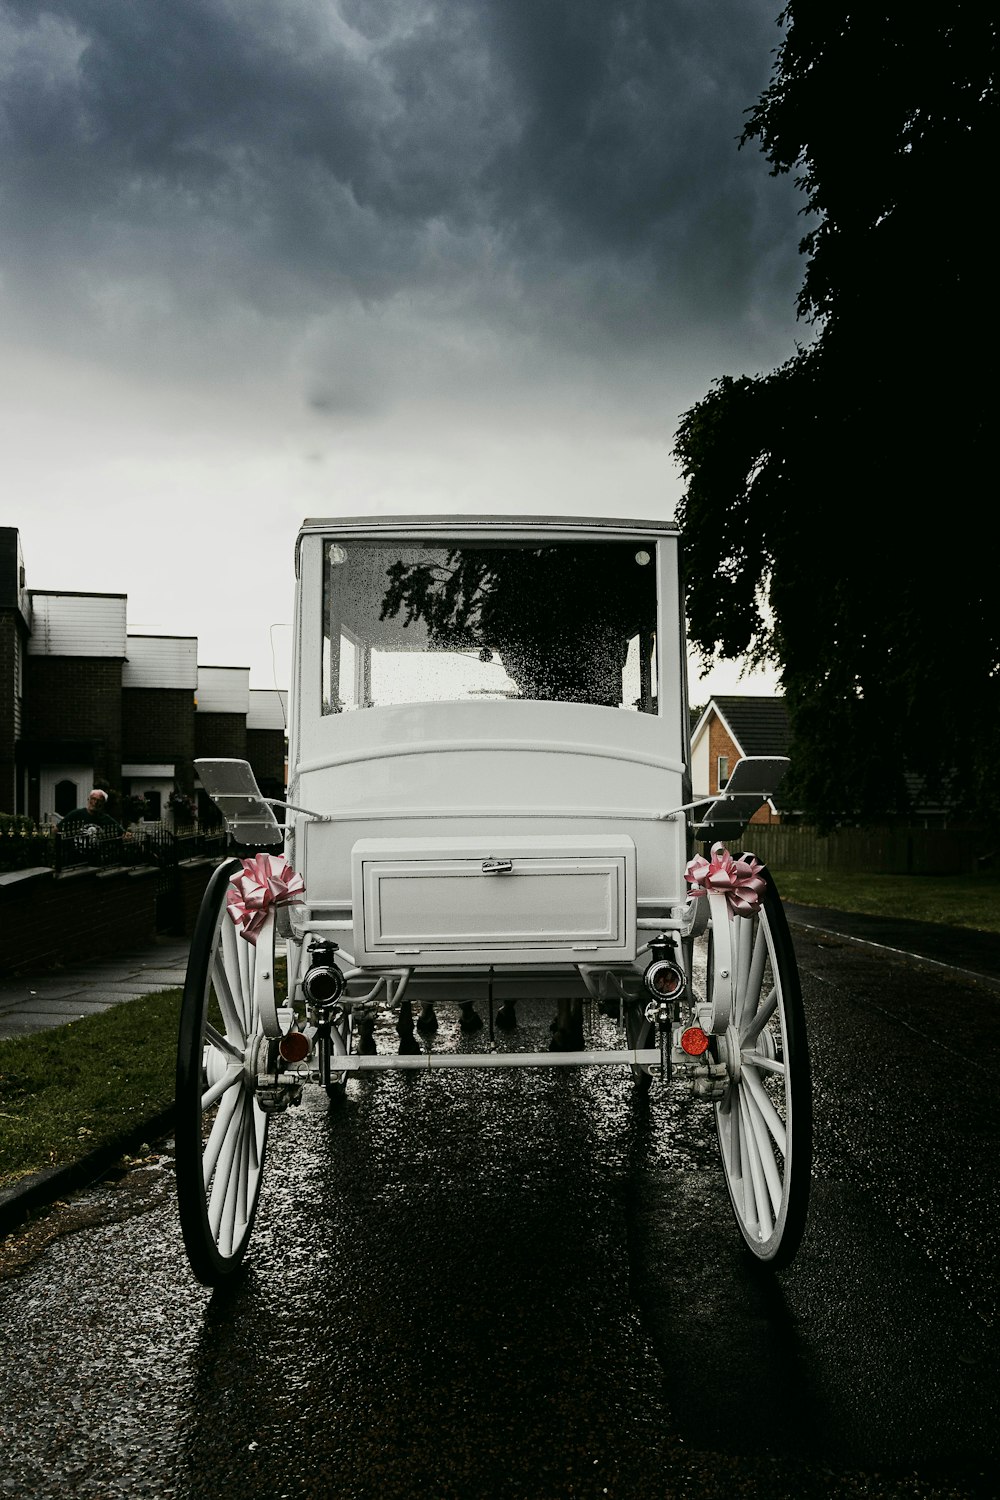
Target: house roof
x,y
758,725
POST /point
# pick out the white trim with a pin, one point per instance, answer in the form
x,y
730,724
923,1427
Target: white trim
x,y
527,747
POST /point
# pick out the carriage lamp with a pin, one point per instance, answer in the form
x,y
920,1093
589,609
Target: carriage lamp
x,y
663,979
323,983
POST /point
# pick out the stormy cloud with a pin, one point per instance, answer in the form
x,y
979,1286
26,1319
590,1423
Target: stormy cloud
x,y
281,254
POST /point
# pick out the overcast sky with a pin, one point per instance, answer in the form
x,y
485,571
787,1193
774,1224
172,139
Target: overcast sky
x,y
269,259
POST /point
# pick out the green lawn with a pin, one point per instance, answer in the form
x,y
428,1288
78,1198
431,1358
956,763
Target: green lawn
x,y
956,900
66,1091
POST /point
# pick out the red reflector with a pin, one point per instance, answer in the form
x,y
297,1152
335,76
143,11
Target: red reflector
x,y
694,1041
294,1047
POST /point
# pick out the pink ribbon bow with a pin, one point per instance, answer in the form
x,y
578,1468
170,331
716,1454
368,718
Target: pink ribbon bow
x,y
265,881
738,879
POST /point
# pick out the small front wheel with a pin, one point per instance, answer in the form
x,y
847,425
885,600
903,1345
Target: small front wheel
x,y
221,1130
764,1118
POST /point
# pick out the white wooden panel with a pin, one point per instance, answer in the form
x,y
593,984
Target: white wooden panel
x,y
430,901
161,661
77,625
223,690
268,709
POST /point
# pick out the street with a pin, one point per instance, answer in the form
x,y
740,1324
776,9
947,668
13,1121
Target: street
x,y
527,1284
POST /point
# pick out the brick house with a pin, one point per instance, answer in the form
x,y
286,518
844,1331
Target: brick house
x,y
71,733
729,728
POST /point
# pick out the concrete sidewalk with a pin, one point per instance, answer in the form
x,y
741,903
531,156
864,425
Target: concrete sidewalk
x,y
35,1003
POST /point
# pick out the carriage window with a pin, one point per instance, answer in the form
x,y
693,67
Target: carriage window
x,y
572,622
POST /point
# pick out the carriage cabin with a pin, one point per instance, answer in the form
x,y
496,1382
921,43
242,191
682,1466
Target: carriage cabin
x,y
492,714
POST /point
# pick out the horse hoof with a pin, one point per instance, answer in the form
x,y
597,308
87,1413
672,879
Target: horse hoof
x,y
507,1017
470,1020
408,1046
427,1020
366,1036
566,1041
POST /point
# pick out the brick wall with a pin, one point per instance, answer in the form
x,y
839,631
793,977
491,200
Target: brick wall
x,y
266,754
720,742
158,724
56,919
223,735
49,919
77,698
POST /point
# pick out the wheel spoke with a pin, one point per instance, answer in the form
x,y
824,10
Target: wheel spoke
x,y
744,931
247,953
743,1182
766,1064
772,1119
220,1126
767,1008
232,1015
232,1076
765,1150
222,1043
233,962
243,1164
755,974
761,1201
224,1173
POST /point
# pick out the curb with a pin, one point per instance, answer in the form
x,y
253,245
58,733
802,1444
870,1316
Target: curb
x,y
41,1189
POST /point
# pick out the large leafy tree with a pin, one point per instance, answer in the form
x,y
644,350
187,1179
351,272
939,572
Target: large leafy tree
x,y
837,510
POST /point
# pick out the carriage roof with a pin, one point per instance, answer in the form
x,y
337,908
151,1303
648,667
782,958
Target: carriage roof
x,y
414,523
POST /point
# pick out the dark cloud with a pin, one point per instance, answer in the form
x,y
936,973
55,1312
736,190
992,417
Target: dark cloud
x,y
565,168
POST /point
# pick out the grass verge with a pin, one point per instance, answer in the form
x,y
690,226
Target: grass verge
x,y
955,900
76,1088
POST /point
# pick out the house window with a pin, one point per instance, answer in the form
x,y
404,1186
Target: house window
x,y
723,769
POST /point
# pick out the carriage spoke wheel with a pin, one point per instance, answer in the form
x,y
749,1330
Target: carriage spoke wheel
x,y
764,1118
221,1130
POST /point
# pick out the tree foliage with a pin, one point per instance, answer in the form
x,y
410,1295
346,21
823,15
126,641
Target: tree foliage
x,y
834,510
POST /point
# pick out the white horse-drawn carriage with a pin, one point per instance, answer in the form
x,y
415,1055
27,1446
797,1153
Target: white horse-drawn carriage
x,y
489,799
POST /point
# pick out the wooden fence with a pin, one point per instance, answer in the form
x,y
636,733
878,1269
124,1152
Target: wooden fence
x,y
879,851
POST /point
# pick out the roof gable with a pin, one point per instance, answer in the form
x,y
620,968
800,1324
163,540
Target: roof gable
x,y
758,725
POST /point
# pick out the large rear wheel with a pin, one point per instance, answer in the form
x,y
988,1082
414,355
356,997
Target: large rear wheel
x,y
221,1130
764,1118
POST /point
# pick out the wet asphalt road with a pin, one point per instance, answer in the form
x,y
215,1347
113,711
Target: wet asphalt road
x,y
527,1285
